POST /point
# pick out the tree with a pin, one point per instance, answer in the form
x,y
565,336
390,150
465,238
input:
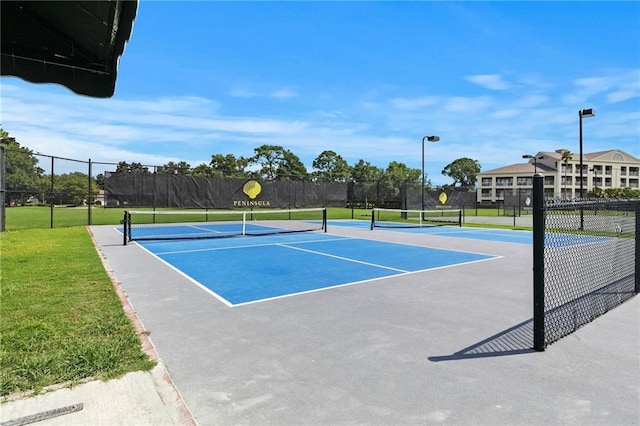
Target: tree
x,y
268,157
71,188
181,168
100,181
124,167
228,165
22,174
278,163
363,171
400,172
331,167
464,171
365,178
291,167
390,185
565,157
202,170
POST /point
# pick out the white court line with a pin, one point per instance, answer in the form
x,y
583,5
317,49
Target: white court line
x,y
344,258
213,231
188,277
233,305
316,290
251,245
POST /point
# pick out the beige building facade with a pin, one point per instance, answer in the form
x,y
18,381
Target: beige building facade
x,y
561,170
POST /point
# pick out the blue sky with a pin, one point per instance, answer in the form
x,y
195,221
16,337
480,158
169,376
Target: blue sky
x,y
495,80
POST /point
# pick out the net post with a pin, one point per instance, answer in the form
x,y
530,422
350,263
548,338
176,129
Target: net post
x,y
244,223
460,218
373,218
125,227
538,262
324,219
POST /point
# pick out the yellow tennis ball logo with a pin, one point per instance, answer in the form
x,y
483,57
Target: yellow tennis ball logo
x,y
252,189
442,198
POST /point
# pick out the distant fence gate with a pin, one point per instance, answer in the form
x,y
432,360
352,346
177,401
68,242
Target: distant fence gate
x,y
585,261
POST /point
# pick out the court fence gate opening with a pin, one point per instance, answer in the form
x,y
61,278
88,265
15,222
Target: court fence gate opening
x,y
586,257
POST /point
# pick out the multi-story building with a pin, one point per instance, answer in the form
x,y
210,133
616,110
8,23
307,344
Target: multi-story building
x,y
561,170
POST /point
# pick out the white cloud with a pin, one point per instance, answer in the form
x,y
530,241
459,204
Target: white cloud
x,y
615,85
489,81
243,92
283,94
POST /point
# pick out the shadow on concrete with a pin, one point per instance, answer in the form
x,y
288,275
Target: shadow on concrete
x,y
512,341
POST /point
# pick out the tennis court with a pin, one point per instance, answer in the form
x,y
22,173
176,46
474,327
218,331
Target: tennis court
x,y
246,269
486,234
354,326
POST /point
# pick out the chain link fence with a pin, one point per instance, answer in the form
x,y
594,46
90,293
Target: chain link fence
x,y
72,192
586,256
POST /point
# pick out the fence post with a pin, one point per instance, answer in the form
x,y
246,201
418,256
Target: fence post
x,y
3,201
538,262
89,197
637,237
52,189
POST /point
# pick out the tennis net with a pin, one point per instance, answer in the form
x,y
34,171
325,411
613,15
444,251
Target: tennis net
x,y
399,218
182,225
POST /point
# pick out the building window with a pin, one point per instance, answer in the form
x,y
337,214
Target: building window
x,y
633,171
566,168
598,181
525,181
548,180
623,171
623,183
607,182
504,181
633,183
608,170
486,193
566,180
487,181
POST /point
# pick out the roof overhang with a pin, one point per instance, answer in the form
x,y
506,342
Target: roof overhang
x,y
74,43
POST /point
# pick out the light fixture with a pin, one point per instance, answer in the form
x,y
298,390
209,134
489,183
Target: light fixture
x,y
429,139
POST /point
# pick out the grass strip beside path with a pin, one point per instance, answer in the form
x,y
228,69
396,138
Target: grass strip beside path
x,y
61,319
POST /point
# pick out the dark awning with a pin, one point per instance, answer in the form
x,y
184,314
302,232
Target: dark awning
x,y
74,43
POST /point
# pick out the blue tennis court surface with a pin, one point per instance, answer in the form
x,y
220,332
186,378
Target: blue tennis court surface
x,y
552,239
486,234
249,269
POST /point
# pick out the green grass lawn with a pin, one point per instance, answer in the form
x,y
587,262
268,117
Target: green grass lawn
x,y
61,319
29,217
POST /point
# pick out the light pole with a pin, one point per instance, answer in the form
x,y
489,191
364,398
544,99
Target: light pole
x,y
430,139
535,161
587,112
590,112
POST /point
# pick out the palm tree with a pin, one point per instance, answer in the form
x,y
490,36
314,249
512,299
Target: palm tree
x,y
565,156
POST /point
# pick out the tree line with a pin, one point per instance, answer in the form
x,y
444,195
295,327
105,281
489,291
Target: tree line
x,y
277,163
25,179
